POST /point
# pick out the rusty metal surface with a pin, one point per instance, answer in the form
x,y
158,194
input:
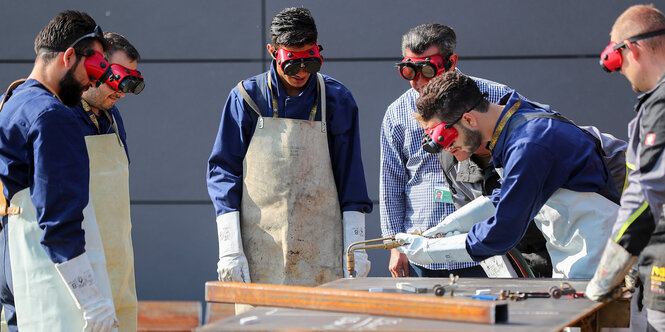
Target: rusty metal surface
x,y
170,316
528,315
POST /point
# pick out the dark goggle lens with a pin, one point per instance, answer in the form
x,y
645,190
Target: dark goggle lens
x,y
131,85
407,72
429,145
292,67
428,70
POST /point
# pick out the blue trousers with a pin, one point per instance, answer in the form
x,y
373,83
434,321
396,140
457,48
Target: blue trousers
x,y
6,286
469,272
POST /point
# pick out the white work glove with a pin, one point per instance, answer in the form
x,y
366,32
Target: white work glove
x,y
353,223
232,265
613,267
461,220
424,251
98,311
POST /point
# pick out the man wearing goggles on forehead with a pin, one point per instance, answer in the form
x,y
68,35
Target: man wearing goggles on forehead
x,y
57,279
411,179
285,174
637,51
553,173
109,176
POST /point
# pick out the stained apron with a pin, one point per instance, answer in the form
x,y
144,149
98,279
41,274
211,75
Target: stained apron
x,y
109,194
290,217
576,226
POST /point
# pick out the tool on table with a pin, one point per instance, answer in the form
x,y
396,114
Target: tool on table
x,y
387,243
452,286
408,287
564,289
520,296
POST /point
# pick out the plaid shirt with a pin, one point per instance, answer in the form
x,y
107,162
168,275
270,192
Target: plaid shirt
x,y
409,175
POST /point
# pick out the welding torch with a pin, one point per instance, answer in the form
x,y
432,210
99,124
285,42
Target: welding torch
x,y
386,243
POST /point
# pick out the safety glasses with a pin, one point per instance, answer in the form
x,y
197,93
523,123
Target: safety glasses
x,y
291,62
611,59
429,67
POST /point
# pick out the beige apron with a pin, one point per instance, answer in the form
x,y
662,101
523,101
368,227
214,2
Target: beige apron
x,y
43,301
109,194
290,218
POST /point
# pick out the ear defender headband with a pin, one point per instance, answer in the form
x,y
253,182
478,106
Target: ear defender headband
x,y
429,67
291,62
611,59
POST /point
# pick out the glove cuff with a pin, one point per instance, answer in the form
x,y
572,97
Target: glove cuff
x,y
612,268
78,275
353,223
228,233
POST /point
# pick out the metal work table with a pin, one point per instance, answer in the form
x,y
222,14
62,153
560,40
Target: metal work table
x,y
534,314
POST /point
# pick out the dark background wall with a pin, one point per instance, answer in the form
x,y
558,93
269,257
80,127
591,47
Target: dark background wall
x,y
194,52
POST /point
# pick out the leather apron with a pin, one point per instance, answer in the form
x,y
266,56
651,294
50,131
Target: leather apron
x,y
576,226
290,217
109,194
40,295
43,301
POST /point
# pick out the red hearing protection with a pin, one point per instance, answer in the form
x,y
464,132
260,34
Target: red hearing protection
x,y
611,59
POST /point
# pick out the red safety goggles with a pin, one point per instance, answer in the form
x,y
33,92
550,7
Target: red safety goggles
x,y
429,67
114,75
439,137
611,59
97,67
125,80
291,62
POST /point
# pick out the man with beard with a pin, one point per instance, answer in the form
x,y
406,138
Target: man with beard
x,y
54,275
109,171
413,191
552,171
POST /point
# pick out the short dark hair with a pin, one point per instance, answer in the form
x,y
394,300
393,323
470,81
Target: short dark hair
x,y
62,31
449,96
422,37
117,42
293,27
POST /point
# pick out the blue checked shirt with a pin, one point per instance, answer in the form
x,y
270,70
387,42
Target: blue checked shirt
x,y
410,176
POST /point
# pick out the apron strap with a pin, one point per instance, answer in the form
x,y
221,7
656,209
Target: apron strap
x,y
10,89
250,102
114,125
322,91
4,209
